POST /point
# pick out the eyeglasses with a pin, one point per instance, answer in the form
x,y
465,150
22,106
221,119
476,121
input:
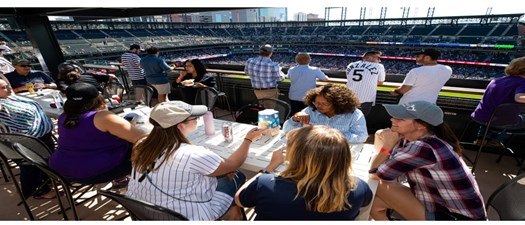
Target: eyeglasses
x,y
327,104
191,119
25,65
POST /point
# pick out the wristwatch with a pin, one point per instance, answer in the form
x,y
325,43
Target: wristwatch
x,y
373,170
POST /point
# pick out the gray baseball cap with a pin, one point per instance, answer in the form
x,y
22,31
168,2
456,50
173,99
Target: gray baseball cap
x,y
426,111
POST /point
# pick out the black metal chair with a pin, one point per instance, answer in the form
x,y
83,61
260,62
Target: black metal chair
x,y
209,96
283,107
113,88
248,114
504,120
141,210
6,154
144,90
509,199
35,159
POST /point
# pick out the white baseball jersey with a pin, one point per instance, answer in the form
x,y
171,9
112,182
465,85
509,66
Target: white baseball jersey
x,y
184,176
426,82
362,78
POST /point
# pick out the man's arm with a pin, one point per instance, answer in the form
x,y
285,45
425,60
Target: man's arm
x,y
401,90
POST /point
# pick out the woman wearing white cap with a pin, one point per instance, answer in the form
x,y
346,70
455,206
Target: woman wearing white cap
x,y
171,172
428,154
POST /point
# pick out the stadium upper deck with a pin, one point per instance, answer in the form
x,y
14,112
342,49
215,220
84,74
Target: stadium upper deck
x,y
488,33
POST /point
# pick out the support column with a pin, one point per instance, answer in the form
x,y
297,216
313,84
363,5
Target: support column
x,y
45,44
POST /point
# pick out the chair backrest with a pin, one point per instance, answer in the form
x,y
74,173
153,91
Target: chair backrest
x,y
207,97
141,210
146,90
31,142
34,158
283,107
506,116
509,199
248,114
113,88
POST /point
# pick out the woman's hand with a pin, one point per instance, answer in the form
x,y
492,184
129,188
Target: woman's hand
x,y
199,85
276,161
390,138
254,134
301,117
182,74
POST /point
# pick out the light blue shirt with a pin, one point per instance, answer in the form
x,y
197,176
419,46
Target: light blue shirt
x,y
352,125
302,79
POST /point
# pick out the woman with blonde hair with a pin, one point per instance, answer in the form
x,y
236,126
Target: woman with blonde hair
x,y
316,185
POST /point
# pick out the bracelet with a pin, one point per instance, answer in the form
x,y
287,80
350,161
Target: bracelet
x,y
248,140
373,170
383,150
264,171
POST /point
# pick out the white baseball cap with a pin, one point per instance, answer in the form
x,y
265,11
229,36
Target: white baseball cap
x,y
171,113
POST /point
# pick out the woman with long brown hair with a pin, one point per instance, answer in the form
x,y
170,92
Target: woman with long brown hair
x,y
316,185
428,153
171,172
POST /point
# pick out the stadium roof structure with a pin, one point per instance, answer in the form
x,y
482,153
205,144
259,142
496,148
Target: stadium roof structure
x,y
85,13
38,28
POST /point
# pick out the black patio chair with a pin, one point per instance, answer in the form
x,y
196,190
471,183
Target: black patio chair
x,y
141,210
509,199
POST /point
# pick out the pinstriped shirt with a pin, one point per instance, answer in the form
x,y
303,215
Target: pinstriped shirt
x,y
438,177
24,116
131,63
263,72
183,178
362,78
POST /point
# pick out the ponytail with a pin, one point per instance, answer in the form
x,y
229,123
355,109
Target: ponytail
x,y
445,133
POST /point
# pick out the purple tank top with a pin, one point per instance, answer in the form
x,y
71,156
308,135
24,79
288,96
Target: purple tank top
x,y
85,151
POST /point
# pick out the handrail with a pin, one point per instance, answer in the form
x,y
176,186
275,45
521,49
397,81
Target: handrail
x,y
226,73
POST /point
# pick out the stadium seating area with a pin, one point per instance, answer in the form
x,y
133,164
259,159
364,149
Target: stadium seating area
x,y
102,39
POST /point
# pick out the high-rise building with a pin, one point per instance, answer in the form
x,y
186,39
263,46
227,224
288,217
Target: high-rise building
x,y
300,16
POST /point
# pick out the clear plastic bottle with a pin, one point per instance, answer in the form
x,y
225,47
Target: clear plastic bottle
x,y
209,126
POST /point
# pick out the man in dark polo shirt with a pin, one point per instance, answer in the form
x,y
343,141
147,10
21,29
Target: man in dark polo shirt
x,y
23,75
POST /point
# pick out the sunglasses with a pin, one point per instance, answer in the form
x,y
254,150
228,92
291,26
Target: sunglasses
x,y
25,65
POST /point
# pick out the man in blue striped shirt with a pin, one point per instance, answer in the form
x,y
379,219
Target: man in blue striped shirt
x,y
21,115
264,73
131,62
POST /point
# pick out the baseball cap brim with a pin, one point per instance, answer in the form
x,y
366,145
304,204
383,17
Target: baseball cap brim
x,y
398,111
198,110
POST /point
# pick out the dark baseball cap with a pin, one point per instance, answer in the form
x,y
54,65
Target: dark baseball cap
x,y
20,61
79,92
135,46
266,48
433,53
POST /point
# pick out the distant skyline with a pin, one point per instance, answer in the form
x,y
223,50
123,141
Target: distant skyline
x,y
417,8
